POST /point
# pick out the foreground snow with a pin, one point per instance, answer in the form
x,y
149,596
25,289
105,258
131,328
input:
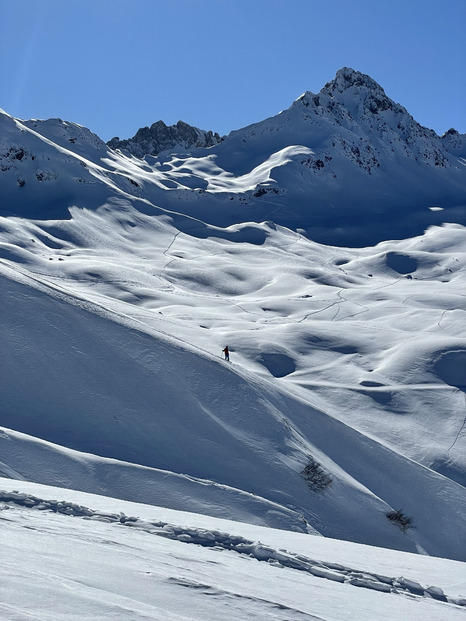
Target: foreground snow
x,y
76,555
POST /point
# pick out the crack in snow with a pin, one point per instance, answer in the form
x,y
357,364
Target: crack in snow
x,y
208,589
459,432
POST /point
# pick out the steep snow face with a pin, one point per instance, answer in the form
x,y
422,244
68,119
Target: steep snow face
x,y
45,166
72,136
343,401
455,142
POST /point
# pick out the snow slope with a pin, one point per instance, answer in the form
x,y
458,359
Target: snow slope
x,y
74,330
103,558
122,279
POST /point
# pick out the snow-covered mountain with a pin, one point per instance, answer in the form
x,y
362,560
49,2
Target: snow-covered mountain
x,y
124,274
347,166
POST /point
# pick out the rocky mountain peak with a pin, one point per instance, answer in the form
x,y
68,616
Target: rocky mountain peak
x,y
349,96
349,84
160,137
346,78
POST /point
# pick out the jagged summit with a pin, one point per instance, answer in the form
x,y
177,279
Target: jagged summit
x,y
358,86
160,137
352,94
346,78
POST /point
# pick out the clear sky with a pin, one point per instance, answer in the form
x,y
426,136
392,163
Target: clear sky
x,y
117,65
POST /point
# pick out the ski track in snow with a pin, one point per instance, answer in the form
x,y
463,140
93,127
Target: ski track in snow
x,y
220,541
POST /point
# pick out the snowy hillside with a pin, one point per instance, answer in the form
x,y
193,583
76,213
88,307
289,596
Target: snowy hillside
x,y
326,247
69,555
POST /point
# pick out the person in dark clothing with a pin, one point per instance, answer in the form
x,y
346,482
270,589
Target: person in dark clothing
x,y
227,353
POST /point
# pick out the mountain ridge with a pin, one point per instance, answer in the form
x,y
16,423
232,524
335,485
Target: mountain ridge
x,y
160,137
335,164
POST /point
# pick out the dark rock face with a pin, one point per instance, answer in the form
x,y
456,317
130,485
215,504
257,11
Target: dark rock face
x,y
160,137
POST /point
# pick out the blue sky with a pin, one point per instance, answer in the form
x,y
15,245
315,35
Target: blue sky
x,y
117,65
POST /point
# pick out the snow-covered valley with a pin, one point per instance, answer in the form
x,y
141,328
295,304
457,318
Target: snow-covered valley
x,y
336,277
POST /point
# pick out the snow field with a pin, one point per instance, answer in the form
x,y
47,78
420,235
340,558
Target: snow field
x,y
219,426
106,561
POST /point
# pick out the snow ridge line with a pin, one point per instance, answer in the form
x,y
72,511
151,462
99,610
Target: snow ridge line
x,y
223,541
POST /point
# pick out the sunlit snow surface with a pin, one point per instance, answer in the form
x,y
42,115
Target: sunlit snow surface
x,y
81,556
122,280
114,325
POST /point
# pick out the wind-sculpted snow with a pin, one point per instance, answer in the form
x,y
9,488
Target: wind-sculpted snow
x,y
107,558
181,409
56,465
219,541
123,279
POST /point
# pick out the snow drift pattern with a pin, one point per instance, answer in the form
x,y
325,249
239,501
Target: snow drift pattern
x,y
124,278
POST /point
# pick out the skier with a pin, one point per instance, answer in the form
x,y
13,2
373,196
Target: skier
x,y
227,353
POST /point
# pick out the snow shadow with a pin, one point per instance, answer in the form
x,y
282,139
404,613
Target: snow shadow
x,y
250,232
279,365
451,368
401,263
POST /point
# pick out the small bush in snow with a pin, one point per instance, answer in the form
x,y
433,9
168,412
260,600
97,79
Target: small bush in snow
x,y
317,479
402,521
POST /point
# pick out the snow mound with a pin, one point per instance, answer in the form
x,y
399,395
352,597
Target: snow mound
x,y
154,420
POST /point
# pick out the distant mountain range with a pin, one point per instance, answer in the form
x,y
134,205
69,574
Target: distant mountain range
x,y
345,166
